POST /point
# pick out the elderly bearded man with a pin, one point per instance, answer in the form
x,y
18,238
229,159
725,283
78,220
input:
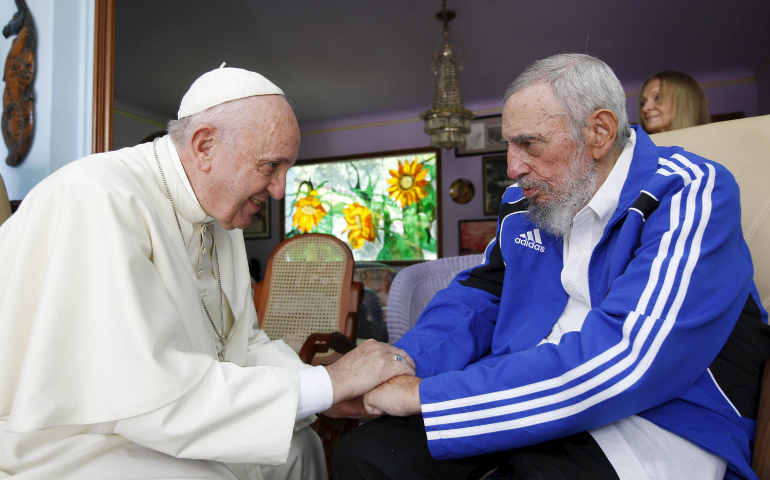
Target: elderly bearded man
x,y
126,340
598,338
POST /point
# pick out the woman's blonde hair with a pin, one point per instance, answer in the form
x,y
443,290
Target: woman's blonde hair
x,y
688,100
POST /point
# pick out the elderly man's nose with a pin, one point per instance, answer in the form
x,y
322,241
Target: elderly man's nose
x,y
277,186
517,164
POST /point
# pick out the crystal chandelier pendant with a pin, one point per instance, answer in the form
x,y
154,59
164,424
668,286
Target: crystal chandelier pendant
x,y
447,122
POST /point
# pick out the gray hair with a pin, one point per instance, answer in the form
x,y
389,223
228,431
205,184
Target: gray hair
x,y
177,129
582,84
181,130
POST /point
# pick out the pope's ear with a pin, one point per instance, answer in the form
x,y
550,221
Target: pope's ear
x,y
601,132
202,146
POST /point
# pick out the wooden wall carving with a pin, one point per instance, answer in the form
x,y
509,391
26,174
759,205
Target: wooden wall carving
x,y
18,123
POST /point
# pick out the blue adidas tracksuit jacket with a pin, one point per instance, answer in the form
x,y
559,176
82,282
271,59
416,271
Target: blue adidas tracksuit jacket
x,y
675,333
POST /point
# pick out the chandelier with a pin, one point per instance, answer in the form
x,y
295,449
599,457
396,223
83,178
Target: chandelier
x,y
447,122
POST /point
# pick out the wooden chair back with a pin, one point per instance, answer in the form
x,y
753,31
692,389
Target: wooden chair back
x,y
308,289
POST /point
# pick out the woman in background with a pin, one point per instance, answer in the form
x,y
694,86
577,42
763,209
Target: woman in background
x,y
671,100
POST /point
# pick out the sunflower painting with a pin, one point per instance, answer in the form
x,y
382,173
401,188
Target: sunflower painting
x,y
360,227
385,207
407,185
309,212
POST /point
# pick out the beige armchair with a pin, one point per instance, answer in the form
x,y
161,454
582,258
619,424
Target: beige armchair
x,y
743,146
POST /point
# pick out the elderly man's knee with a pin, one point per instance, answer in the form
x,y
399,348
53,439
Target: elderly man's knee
x,y
373,447
353,447
359,453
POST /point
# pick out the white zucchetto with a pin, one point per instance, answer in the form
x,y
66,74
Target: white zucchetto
x,y
223,85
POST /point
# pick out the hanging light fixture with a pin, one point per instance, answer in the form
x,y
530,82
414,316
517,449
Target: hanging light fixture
x,y
447,122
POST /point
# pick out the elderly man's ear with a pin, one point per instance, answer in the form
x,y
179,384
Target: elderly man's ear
x,y
601,131
202,145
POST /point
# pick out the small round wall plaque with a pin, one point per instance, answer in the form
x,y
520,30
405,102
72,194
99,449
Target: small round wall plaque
x,y
461,190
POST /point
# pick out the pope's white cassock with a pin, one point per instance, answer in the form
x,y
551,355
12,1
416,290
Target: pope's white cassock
x,y
109,363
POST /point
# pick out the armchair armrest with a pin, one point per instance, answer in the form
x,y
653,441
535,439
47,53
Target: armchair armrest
x,y
322,342
761,461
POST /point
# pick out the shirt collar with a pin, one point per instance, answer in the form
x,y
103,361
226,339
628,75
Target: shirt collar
x,y
188,204
606,198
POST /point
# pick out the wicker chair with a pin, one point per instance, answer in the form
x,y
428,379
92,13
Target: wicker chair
x,y
307,297
414,286
309,300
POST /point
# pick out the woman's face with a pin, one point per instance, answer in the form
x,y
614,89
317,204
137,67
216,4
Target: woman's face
x,y
657,110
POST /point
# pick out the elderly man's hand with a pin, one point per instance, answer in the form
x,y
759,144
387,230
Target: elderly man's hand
x,y
365,367
399,396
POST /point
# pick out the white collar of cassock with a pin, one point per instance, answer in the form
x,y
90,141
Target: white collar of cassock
x,y
186,201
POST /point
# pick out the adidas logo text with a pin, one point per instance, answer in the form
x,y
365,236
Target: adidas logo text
x,y
531,239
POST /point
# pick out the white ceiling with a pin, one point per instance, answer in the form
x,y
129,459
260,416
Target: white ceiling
x,y
338,58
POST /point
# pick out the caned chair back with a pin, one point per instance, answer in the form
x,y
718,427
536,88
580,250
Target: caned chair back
x,y
307,289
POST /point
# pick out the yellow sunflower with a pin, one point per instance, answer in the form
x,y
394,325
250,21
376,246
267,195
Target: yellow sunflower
x,y
309,212
360,227
407,184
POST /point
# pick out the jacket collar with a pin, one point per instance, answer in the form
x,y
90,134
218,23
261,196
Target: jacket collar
x,y
644,164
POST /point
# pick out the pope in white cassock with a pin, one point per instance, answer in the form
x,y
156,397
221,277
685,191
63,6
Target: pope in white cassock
x,y
127,347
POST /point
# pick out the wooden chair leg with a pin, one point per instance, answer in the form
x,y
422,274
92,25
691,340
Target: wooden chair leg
x,y
761,454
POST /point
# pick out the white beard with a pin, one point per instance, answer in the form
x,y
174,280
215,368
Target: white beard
x,y
556,216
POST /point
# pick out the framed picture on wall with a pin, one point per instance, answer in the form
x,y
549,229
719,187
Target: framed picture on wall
x,y
495,180
384,206
485,137
475,235
260,223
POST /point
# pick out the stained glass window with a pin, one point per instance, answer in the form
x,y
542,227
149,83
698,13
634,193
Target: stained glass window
x,y
384,206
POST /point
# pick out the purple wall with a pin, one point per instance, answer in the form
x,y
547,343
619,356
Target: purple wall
x,y
727,92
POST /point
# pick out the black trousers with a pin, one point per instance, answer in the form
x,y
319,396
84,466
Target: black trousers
x,y
396,448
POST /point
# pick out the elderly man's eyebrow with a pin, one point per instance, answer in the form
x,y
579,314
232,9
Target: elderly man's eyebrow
x,y
524,139
262,160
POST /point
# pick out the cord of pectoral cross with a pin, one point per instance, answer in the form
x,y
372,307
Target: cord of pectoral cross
x,y
221,338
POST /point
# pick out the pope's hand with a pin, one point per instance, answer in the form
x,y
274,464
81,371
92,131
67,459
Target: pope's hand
x,y
365,367
399,396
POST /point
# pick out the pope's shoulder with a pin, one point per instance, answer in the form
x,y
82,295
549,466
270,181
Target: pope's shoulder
x,y
128,170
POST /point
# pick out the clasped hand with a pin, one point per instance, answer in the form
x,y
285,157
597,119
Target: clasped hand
x,y
373,379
